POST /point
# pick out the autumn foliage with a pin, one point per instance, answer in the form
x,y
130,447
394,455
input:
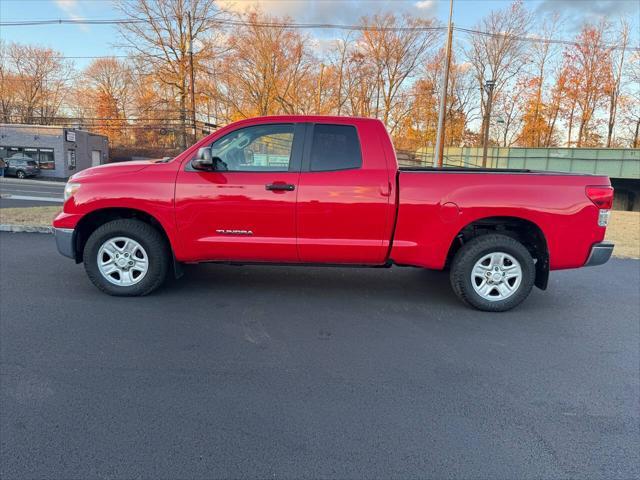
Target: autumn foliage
x,y
582,93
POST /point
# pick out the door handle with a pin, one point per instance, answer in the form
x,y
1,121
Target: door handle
x,y
286,187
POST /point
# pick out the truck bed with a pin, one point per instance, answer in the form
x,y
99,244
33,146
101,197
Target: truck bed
x,y
435,204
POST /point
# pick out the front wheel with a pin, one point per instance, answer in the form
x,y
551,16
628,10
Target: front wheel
x,y
20,174
493,273
126,257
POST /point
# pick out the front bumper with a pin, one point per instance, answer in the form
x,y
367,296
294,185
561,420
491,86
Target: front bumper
x,y
600,253
66,241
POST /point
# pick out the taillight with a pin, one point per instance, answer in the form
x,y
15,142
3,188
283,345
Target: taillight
x,y
602,197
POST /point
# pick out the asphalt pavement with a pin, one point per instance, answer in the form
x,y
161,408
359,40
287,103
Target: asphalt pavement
x,y
30,193
284,372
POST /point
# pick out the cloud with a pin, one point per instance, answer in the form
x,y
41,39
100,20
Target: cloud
x,y
424,4
71,8
580,11
333,11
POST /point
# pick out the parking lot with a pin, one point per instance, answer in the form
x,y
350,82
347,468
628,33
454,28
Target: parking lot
x,y
313,373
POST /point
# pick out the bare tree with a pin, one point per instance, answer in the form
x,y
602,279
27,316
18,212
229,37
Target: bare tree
x,y
7,85
542,52
395,49
509,107
617,70
162,33
498,54
631,102
589,66
339,63
36,80
267,68
113,78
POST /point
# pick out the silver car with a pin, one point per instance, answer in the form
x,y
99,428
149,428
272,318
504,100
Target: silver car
x,y
21,166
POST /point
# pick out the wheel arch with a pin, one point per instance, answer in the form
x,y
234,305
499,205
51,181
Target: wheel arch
x,y
91,221
521,229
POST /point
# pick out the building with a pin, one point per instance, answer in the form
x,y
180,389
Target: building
x,y
59,151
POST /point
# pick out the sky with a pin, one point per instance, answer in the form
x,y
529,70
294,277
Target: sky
x,y
99,40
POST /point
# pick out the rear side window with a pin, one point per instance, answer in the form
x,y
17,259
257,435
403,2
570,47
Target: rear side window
x,y
335,147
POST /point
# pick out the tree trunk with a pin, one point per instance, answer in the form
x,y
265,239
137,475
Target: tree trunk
x,y
580,132
612,116
635,138
573,107
183,117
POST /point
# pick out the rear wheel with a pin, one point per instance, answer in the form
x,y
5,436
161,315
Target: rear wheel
x,y
20,174
126,257
493,273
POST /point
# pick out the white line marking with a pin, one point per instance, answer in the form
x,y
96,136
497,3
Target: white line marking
x,y
30,191
37,199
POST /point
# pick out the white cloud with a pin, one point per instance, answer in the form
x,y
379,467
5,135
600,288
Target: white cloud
x,y
71,8
332,11
577,12
424,4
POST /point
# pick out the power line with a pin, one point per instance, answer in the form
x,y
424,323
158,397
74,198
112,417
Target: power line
x,y
312,26
539,40
218,21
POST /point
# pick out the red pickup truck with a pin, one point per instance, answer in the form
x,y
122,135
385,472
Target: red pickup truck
x,y
308,190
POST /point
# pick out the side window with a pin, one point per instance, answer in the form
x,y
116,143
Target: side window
x,y
335,147
261,148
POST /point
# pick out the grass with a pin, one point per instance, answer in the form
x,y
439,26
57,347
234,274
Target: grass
x,y
624,228
624,231
29,215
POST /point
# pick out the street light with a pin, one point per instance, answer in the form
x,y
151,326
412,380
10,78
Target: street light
x,y
488,88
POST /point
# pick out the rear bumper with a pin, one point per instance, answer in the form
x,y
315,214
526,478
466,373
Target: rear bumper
x,y
66,241
600,253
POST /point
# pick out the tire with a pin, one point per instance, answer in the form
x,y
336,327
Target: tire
x,y
477,282
111,237
21,175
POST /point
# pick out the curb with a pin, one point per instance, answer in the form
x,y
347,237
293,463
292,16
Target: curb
x,y
26,228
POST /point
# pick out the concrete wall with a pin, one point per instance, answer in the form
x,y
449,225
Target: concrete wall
x,y
36,137
83,146
32,136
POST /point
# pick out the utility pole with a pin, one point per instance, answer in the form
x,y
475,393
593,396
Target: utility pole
x,y
192,81
438,152
319,89
488,87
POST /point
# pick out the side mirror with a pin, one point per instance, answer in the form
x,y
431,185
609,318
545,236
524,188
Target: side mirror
x,y
203,160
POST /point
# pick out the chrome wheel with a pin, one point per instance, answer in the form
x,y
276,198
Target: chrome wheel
x,y
122,261
496,276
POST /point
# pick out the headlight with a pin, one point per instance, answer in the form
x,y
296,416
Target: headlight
x,y
70,189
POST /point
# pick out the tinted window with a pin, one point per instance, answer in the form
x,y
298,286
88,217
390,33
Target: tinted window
x,y
335,147
259,148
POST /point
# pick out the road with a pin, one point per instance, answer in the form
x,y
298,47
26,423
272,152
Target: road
x,y
283,372
29,193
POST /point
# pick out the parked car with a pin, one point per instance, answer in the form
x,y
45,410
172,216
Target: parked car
x,y
307,190
21,166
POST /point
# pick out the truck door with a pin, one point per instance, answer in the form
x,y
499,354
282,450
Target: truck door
x,y
244,210
343,213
